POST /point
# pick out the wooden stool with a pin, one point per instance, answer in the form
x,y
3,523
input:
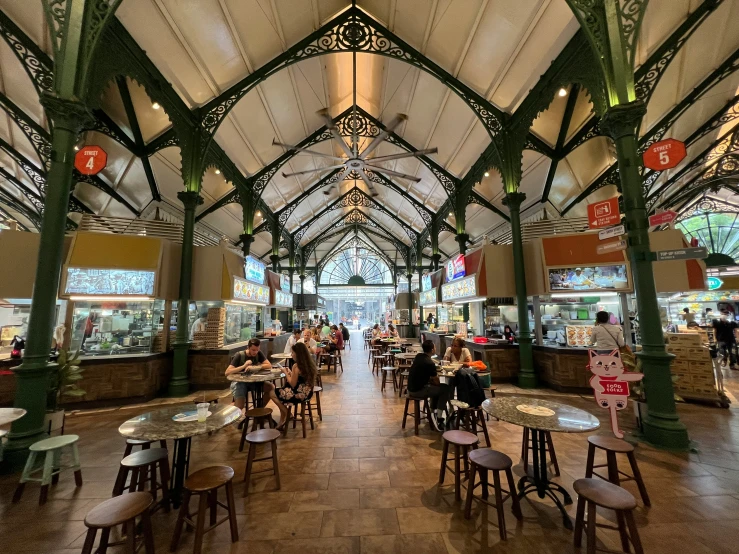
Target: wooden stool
x,y
401,378
377,362
205,483
261,416
302,418
120,510
483,461
145,445
366,343
317,395
416,410
53,447
371,354
527,444
143,465
254,439
595,492
391,371
613,446
461,440
469,418
335,358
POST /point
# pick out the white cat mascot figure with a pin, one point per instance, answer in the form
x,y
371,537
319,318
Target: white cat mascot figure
x,y
610,383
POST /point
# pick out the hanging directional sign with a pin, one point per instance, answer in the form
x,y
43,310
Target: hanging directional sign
x,y
616,231
611,247
683,254
664,154
662,218
90,160
604,214
714,283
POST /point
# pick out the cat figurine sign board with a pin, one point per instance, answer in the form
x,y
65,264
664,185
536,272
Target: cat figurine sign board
x,y
610,381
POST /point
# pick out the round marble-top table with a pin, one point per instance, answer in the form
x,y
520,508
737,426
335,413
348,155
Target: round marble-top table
x,y
540,417
9,415
260,376
159,425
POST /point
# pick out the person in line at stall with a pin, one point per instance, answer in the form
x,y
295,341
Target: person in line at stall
x,y
251,359
508,334
392,332
294,338
606,337
458,353
309,341
709,316
687,316
423,382
723,329
299,382
199,324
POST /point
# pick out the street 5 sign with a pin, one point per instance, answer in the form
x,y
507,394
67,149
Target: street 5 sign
x,y
664,154
604,214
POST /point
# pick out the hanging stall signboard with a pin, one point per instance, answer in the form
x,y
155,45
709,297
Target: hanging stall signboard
x,y
115,282
250,292
428,297
283,299
455,267
90,160
460,289
254,270
664,154
426,281
604,214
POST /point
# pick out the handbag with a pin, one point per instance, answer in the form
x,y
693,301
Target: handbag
x,y
627,356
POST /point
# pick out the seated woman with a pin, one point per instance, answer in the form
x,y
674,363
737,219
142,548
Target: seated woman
x,y
376,333
316,332
392,332
298,388
457,353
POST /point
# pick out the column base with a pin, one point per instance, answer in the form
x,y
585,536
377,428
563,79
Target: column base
x,y
527,378
179,384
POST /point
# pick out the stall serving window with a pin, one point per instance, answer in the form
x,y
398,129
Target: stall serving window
x,y
241,323
118,328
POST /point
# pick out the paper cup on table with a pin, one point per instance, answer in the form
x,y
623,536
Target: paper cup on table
x,y
203,411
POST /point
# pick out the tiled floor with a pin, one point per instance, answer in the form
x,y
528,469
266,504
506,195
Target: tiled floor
x,y
359,483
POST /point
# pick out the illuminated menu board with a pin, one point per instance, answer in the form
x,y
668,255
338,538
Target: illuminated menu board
x,y
254,270
457,290
119,282
283,299
426,281
285,282
250,292
455,267
429,297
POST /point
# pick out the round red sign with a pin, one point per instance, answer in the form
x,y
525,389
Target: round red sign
x,y
90,160
664,154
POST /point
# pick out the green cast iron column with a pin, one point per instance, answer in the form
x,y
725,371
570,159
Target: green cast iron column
x,y
411,330
179,384
246,240
435,259
526,374
32,376
662,426
420,308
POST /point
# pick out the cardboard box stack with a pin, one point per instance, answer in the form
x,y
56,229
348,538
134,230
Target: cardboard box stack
x,y
216,328
157,344
692,365
198,340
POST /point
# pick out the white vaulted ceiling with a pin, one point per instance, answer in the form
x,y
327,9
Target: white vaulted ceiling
x,y
499,48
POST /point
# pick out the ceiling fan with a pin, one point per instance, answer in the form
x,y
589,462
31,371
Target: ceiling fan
x,y
354,159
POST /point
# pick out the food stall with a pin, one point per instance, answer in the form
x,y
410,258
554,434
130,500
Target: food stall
x,y
399,312
281,300
234,303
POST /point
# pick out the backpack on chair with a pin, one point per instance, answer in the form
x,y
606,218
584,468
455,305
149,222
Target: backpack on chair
x,y
469,387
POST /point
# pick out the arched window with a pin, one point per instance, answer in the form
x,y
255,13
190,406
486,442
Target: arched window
x,y
360,265
719,232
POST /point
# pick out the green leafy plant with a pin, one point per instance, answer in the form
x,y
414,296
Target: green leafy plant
x,y
64,381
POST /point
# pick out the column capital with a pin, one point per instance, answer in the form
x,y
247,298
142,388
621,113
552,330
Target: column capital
x,y
190,199
246,240
513,200
623,119
462,239
436,257
71,115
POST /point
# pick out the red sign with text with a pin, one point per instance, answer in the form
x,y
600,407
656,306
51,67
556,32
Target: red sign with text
x,y
664,154
90,160
604,214
662,218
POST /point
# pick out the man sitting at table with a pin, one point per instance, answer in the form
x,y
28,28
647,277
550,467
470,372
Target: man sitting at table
x,y
457,353
424,383
309,341
247,360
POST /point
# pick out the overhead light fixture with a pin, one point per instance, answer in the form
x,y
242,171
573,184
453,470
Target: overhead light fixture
x,y
156,105
259,214
76,147
218,171
487,174
451,214
563,91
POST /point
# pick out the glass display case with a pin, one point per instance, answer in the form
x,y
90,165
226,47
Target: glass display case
x,y
115,328
569,321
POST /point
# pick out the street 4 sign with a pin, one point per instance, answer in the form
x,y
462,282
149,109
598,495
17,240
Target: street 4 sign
x,y
664,154
90,160
661,218
604,214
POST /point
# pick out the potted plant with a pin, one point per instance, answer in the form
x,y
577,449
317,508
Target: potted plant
x,y
62,382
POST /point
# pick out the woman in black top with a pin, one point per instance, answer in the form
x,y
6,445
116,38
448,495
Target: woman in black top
x,y
298,388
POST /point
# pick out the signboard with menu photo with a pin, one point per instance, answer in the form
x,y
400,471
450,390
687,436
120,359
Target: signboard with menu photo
x,y
285,283
426,281
109,281
284,299
428,297
457,290
455,267
598,278
254,270
250,292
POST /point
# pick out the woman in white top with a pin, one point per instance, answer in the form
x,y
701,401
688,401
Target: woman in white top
x,y
606,336
391,331
457,353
